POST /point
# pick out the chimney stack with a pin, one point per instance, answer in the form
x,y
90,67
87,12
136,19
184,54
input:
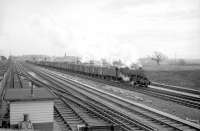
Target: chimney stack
x,y
31,84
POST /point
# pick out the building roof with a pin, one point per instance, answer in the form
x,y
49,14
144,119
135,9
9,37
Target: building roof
x,y
24,94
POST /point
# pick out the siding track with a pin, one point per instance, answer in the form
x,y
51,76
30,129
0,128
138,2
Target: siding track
x,y
189,101
128,115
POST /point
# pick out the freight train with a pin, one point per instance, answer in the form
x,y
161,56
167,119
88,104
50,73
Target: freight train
x,y
135,77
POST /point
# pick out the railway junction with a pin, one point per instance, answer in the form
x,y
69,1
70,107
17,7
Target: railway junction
x,y
41,97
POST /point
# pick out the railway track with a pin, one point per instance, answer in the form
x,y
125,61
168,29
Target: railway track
x,y
193,102
69,115
11,80
60,121
107,114
156,119
62,112
177,88
8,81
4,84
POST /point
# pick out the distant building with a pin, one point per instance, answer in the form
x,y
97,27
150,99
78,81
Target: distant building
x,y
34,57
71,59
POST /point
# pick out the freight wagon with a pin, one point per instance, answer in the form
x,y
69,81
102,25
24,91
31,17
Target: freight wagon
x,y
135,77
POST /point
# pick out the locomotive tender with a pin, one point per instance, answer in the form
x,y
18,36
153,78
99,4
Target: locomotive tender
x,y
135,77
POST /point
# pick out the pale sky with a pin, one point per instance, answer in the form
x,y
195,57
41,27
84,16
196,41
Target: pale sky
x,y
95,29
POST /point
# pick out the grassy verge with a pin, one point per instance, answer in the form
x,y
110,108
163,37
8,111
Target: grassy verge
x,y
185,76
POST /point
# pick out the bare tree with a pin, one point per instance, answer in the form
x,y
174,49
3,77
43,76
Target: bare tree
x,y
158,57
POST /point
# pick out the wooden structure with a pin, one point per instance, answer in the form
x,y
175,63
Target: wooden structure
x,y
38,104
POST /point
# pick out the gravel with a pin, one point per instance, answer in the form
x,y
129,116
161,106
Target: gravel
x,y
180,111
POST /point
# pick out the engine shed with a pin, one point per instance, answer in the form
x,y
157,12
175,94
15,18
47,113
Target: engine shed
x,y
35,106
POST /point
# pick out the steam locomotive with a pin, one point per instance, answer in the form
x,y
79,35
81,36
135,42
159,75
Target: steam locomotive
x,y
135,77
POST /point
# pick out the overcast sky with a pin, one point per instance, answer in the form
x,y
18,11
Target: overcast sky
x,y
94,29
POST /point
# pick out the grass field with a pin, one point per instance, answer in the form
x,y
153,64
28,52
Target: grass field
x,y
186,76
